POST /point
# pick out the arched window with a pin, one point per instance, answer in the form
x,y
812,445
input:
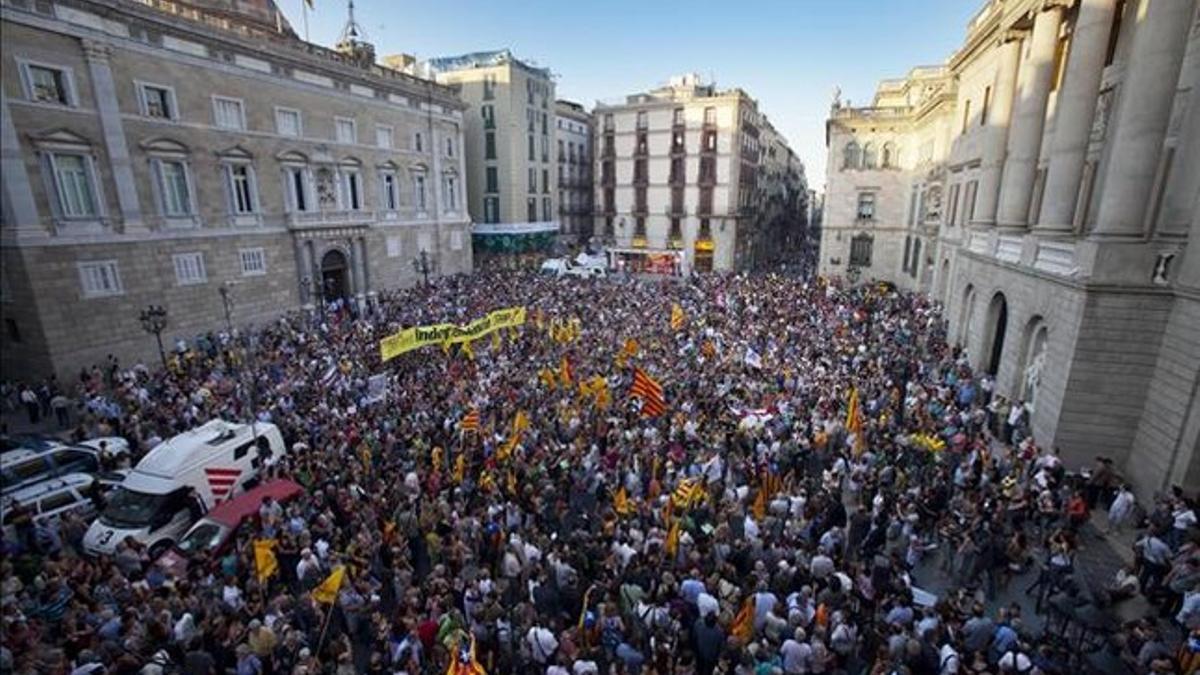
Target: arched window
x,y
888,160
868,156
851,156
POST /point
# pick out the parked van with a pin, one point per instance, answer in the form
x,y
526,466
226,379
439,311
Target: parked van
x,y
77,493
154,505
30,464
563,267
213,534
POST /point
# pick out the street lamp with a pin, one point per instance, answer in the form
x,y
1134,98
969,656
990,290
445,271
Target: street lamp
x,y
421,265
154,320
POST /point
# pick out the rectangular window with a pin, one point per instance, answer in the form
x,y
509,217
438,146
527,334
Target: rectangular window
x,y
608,122
530,120
48,84
297,186
545,125
710,141
546,209
545,149
866,206
489,145
545,180
189,269
228,113
451,193
491,209
449,147
860,251
173,187
287,122
241,188
419,191
492,178
966,116
532,182
531,209
489,87
987,103
99,278
969,201
157,101
489,116
351,190
642,119
677,117
952,211
389,193
710,115
383,136
532,149
344,130
254,262
74,185
418,142
562,155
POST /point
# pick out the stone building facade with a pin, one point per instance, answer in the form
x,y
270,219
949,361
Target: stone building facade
x,y
154,153
677,176
573,128
510,135
1055,195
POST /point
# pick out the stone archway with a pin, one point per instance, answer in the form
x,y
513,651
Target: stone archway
x,y
1037,336
335,270
997,327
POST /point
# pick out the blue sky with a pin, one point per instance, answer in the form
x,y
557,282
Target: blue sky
x,y
789,54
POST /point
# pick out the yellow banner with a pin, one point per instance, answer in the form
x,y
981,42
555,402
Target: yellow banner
x,y
449,333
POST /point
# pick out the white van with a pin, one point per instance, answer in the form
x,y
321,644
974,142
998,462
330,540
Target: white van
x,y
217,460
53,498
563,267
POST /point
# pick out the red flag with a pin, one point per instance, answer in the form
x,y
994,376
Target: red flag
x,y
651,393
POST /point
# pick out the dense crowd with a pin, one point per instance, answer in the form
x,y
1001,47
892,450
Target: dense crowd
x,y
760,525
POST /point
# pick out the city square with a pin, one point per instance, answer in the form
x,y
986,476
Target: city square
x,y
317,360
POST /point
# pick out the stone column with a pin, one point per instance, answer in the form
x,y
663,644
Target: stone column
x,y
1029,116
304,265
1075,108
96,54
1182,196
1146,94
21,218
364,268
314,272
356,271
992,163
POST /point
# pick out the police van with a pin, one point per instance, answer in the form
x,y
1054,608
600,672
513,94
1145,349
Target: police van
x,y
155,504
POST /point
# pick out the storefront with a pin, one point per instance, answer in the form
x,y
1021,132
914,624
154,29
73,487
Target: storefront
x,y
646,261
513,245
702,255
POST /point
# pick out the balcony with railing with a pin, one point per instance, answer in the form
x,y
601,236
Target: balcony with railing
x,y
298,220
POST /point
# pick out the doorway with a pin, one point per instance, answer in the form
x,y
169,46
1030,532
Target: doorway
x,y
334,285
998,325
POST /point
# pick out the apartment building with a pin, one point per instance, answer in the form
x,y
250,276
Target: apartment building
x,y
677,177
510,135
573,130
155,153
1042,184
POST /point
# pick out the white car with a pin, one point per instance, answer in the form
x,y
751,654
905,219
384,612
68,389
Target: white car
x,y
28,466
51,499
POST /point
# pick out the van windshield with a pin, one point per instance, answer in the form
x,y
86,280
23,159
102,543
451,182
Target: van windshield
x,y
205,536
129,509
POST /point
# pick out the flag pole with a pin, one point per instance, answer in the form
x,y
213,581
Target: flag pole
x,y
324,628
304,11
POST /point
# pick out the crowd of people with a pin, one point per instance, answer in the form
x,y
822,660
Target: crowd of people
x,y
831,489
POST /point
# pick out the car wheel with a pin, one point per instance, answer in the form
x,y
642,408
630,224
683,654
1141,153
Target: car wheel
x,y
159,548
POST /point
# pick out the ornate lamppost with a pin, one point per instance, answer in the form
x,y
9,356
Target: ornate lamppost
x,y
154,321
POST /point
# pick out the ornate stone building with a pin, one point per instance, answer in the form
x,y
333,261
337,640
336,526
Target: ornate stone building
x,y
1044,185
678,174
155,152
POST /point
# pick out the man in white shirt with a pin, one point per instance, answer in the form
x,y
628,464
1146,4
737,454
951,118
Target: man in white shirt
x,y
542,644
948,660
796,653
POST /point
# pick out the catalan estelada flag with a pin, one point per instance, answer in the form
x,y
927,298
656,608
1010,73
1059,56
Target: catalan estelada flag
x,y
743,624
688,493
650,391
565,373
265,564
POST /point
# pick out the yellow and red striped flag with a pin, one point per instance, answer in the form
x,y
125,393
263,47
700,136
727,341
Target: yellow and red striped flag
x,y
650,391
470,422
621,503
854,420
672,543
564,371
688,493
743,624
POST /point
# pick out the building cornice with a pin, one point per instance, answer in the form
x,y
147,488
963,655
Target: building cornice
x,y
257,44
